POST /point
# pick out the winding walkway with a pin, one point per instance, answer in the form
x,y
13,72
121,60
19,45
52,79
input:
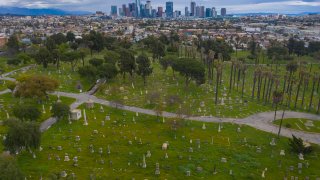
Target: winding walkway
x,y
261,121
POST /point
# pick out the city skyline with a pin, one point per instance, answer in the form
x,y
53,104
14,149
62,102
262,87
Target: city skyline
x,y
233,6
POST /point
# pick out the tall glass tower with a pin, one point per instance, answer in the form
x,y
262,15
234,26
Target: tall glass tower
x,y
138,6
169,9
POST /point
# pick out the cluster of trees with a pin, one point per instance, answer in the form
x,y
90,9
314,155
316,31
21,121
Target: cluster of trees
x,y
121,61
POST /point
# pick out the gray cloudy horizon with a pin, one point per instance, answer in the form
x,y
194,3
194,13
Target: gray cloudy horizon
x,y
233,6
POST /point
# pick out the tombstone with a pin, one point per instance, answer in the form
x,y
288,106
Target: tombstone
x,y
40,148
222,102
258,150
273,142
263,173
101,109
148,154
190,149
166,156
95,131
291,168
109,150
77,138
144,164
75,159
223,160
59,148
85,118
100,150
130,142
79,150
188,173
165,146
230,172
102,123
245,140
43,109
76,114
199,169
238,129
282,153
34,156
57,157
204,126
301,156
63,174
66,158
107,118
157,172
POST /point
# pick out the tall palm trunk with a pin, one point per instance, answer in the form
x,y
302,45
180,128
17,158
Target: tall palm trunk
x,y
311,98
254,85
230,87
298,91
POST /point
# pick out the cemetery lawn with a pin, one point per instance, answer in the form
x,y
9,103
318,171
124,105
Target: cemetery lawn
x,y
125,159
162,89
4,67
3,85
68,80
7,101
301,124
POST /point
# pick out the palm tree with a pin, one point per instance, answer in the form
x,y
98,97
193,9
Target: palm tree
x,y
291,68
315,79
218,66
305,87
277,98
244,71
302,73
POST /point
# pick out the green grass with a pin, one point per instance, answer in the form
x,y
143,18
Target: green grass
x,y
242,157
4,67
7,102
3,85
300,124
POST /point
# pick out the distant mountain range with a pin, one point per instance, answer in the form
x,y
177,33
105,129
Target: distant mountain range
x,y
265,14
38,12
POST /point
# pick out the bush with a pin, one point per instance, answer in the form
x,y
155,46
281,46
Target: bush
x,y
288,125
298,146
60,110
14,61
26,112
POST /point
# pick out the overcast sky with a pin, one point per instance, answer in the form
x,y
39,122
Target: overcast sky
x,y
233,6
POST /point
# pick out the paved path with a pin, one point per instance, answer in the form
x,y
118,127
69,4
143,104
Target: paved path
x,y
261,121
5,75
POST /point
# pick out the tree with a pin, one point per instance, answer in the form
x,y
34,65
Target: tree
x,y
127,62
314,46
191,70
72,57
43,57
9,168
144,67
108,71
83,52
298,146
89,72
13,44
13,61
59,38
111,57
22,135
26,112
96,62
291,68
70,36
24,58
60,110
158,50
277,98
35,86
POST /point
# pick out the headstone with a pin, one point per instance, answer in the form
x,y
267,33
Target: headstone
x,y
77,138
188,173
148,154
204,126
85,123
66,158
166,156
273,142
63,174
223,160
301,156
157,172
59,148
144,164
165,146
282,153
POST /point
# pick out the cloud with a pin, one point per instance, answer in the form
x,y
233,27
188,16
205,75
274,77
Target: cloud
x,y
233,6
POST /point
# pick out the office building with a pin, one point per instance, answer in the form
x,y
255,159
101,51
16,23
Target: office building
x,y
114,11
223,11
186,12
202,13
208,12
193,8
160,11
169,9
214,12
138,5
